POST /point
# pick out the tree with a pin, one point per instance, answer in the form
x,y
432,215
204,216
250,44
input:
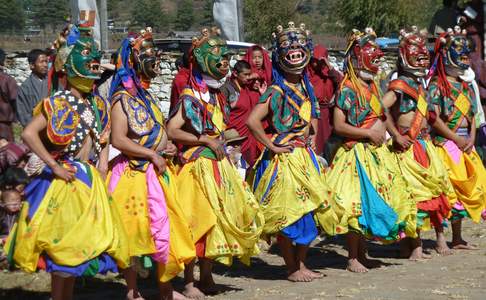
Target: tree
x,y
185,15
11,15
49,13
262,17
386,17
207,18
148,13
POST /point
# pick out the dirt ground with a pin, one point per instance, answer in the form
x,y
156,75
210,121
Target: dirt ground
x,y
460,276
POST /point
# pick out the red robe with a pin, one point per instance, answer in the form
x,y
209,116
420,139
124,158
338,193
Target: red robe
x,y
266,72
325,82
239,114
181,80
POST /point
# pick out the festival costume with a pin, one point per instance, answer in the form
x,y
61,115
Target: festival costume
x,y
72,226
456,104
224,217
420,165
371,196
290,186
147,202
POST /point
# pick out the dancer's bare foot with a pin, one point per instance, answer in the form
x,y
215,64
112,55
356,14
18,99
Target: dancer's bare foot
x,y
355,266
313,274
443,249
134,295
463,245
418,254
178,296
300,276
192,292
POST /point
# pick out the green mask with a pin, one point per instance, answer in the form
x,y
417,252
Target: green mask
x,y
212,57
83,60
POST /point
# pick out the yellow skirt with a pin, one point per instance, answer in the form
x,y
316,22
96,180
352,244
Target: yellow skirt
x,y
71,222
130,196
288,186
221,208
378,176
468,177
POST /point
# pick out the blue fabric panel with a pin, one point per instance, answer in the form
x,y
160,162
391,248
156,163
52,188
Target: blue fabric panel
x,y
377,217
106,264
303,231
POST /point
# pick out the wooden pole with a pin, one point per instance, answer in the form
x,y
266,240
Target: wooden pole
x,y
104,25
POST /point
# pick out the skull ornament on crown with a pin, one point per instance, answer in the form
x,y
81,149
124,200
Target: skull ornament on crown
x,y
365,53
292,48
455,50
414,56
211,53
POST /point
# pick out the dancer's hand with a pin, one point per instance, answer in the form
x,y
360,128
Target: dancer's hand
x,y
103,170
217,146
170,149
461,143
281,149
376,136
313,142
158,162
469,146
403,141
63,173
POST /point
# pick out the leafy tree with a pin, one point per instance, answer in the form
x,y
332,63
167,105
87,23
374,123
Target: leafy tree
x,y
207,18
148,13
185,15
262,17
49,13
11,15
385,17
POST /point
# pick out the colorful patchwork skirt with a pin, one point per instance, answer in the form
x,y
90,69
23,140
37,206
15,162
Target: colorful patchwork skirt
x,y
291,187
69,227
428,181
223,215
152,216
468,177
371,196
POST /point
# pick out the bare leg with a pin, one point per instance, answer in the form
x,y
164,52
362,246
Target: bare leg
x,y
417,249
190,290
457,241
301,255
441,246
206,282
405,247
166,291
353,241
130,275
68,288
294,272
363,258
57,287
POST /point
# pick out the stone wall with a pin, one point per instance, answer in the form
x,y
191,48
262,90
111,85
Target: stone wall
x,y
18,67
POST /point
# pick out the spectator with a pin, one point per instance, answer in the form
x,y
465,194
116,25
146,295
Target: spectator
x,y
444,18
34,88
181,80
12,155
240,93
8,93
325,80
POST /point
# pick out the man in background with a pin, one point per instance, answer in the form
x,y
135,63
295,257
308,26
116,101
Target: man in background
x,y
34,88
8,93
